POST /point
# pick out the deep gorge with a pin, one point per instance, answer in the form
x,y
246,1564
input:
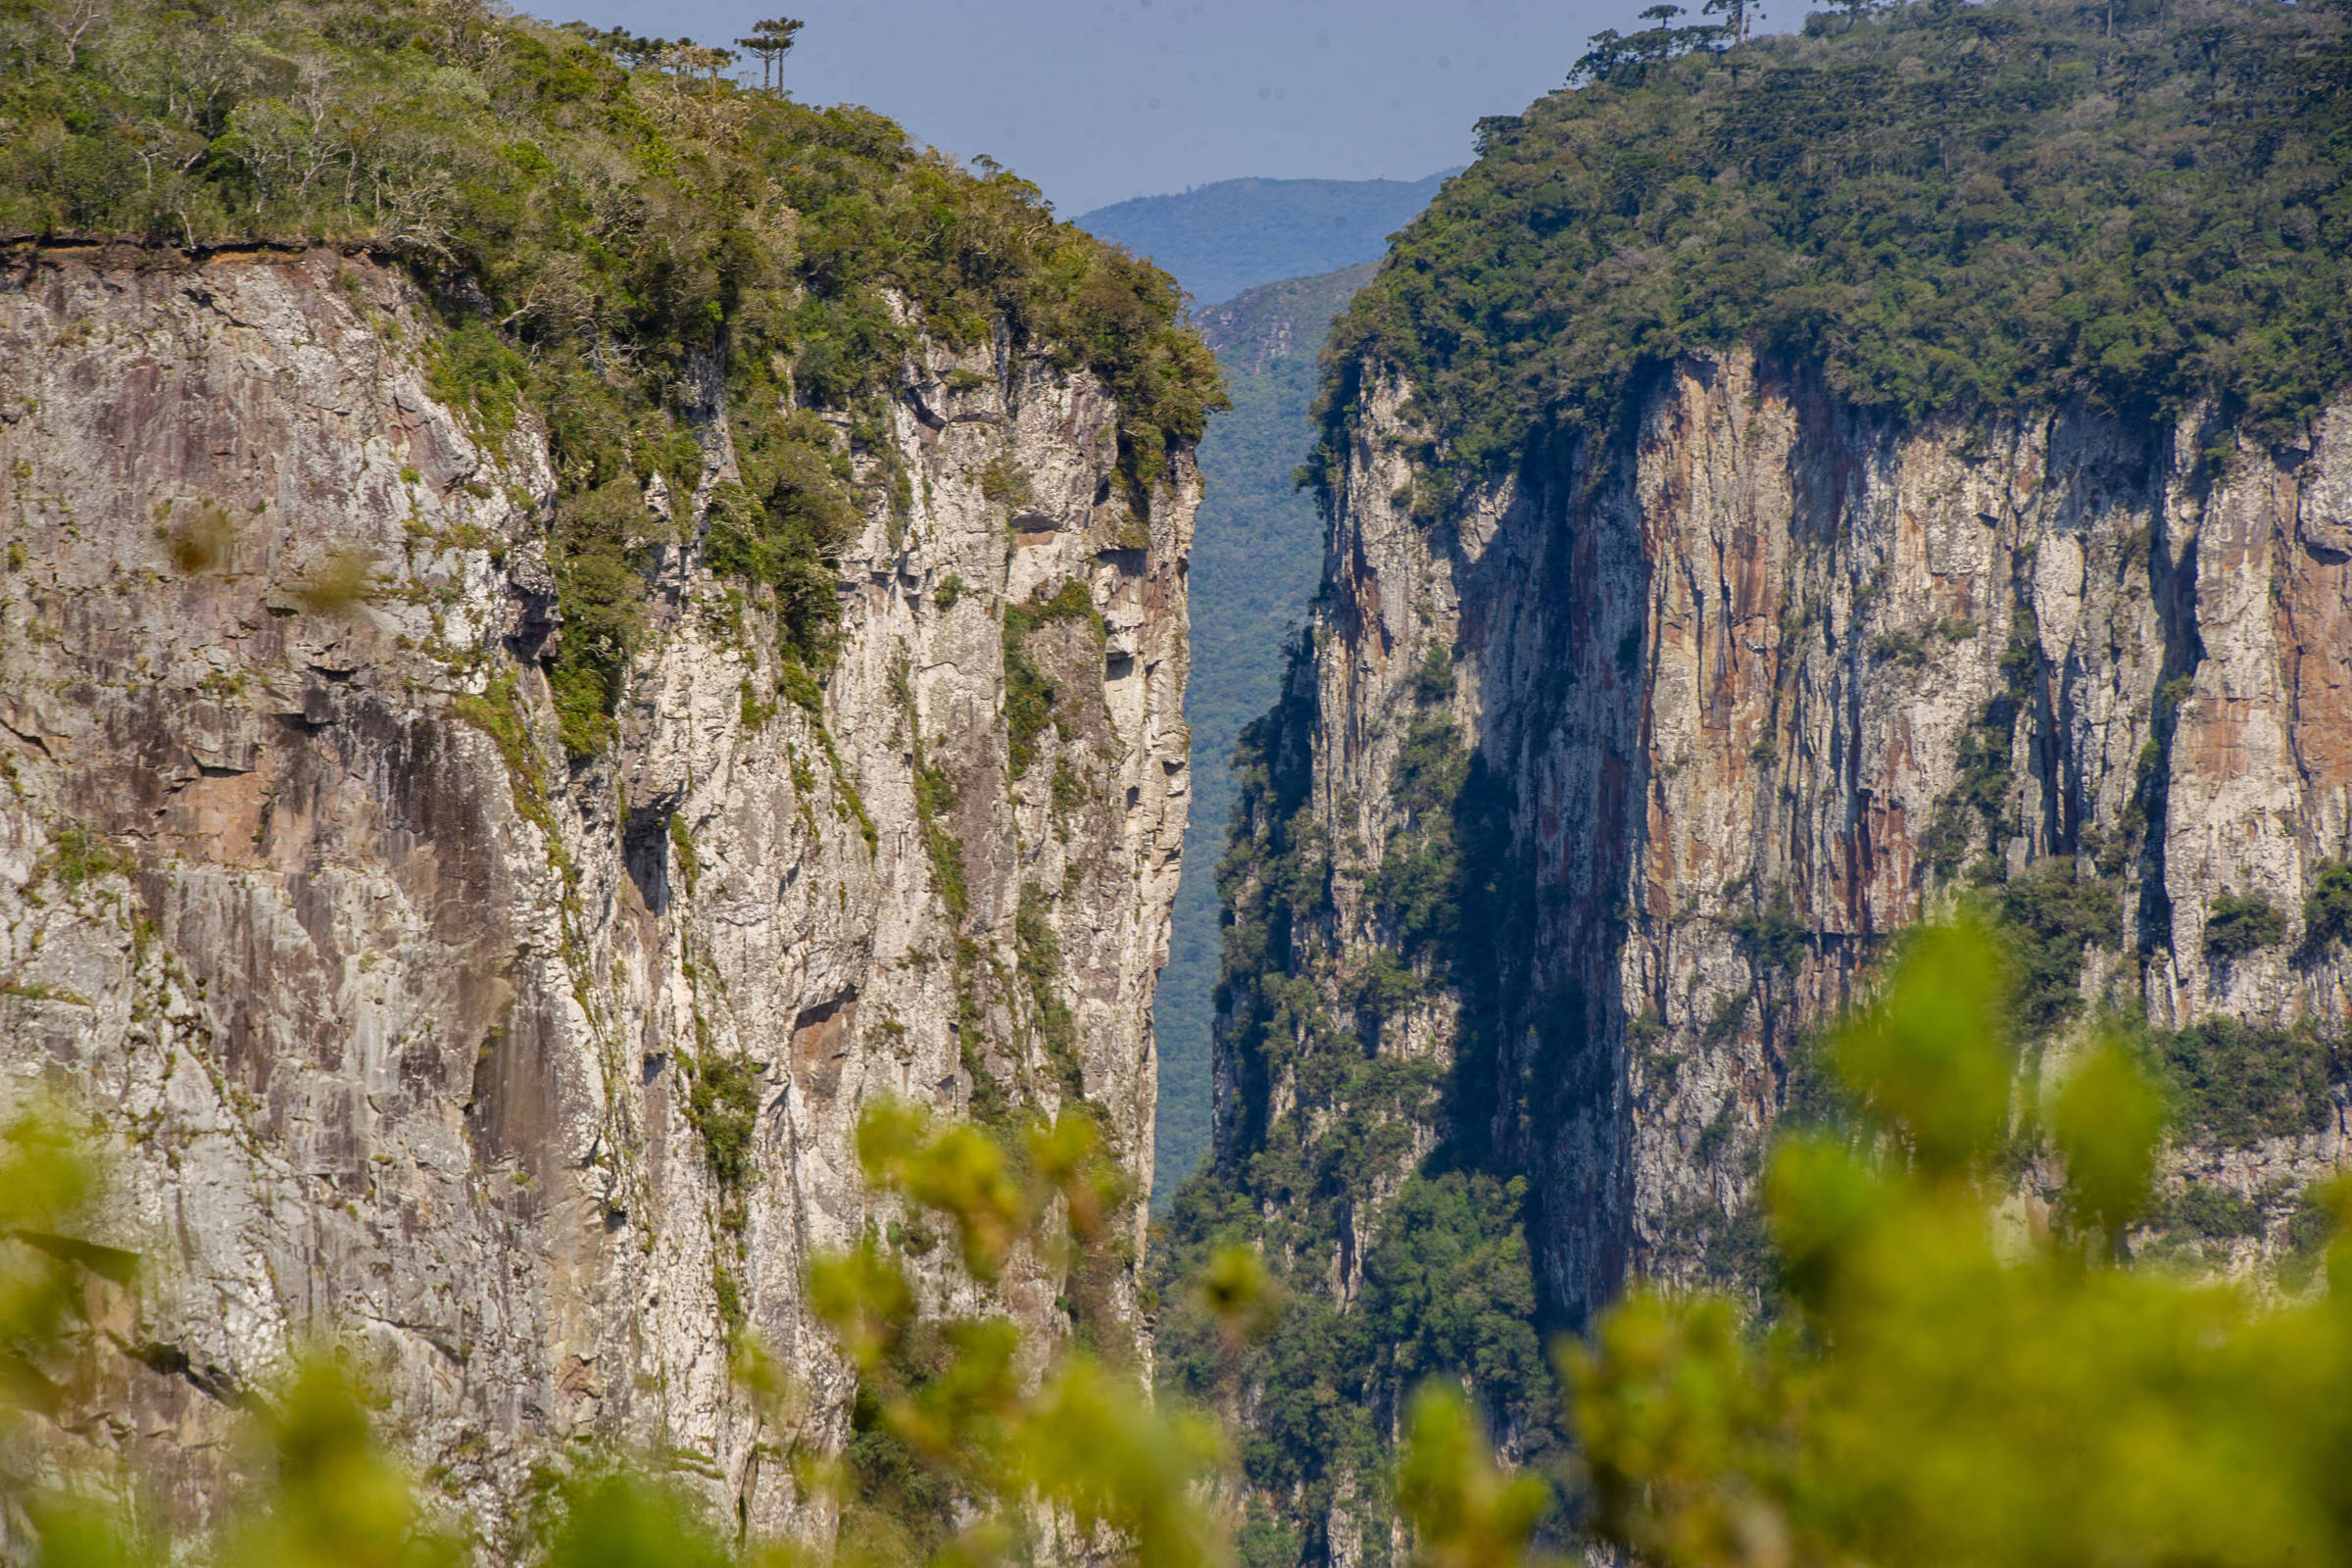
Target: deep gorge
x,y
593,669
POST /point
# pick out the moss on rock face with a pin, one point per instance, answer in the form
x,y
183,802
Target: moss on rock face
x,y
1030,700
722,1103
604,225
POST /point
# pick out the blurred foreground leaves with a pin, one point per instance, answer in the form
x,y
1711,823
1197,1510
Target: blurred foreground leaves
x,y
1947,1383
1946,1389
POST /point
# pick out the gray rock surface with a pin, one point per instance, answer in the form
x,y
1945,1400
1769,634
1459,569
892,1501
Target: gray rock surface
x,y
1731,672
392,1016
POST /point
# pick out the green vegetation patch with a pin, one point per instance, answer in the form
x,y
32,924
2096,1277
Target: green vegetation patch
x,y
602,222
2238,924
722,1103
1973,809
2210,1213
1030,699
2238,1083
935,796
2328,908
2048,917
78,855
1038,962
1940,207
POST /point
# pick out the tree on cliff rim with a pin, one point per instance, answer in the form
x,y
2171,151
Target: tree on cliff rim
x,y
1931,208
771,40
600,220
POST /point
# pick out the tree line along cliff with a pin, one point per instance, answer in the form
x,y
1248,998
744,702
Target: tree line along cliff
x,y
564,200
1779,492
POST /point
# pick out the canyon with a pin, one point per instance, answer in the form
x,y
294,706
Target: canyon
x,y
557,663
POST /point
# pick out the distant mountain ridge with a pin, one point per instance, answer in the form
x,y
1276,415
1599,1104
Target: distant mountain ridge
x,y
1286,320
1221,240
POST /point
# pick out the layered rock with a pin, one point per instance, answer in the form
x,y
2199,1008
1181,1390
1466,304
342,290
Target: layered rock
x,y
1741,696
534,1080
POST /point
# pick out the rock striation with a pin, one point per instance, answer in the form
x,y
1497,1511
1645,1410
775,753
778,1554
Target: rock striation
x,y
1596,789
1767,677
534,1081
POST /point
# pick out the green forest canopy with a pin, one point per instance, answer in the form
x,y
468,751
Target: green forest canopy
x,y
1942,207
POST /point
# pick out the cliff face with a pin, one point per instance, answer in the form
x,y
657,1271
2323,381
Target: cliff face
x,y
1766,684
535,1081
1598,790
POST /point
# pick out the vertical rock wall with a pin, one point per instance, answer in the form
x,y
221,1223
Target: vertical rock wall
x,y
1740,696
534,1081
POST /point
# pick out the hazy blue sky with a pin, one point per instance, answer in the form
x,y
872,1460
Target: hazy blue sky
x,y
1100,100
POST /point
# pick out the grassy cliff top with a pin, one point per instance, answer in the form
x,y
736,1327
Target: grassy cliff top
x,y
571,186
1942,207
606,223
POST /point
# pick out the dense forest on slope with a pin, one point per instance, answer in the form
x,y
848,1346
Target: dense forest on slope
x,y
598,215
1221,240
1972,212
1946,206
1257,553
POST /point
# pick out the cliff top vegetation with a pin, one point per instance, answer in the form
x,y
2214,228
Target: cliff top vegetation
x,y
1940,206
604,221
581,183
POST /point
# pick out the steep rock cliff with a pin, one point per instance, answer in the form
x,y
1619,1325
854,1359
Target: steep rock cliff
x,y
533,1080
1756,695
1774,496
1591,800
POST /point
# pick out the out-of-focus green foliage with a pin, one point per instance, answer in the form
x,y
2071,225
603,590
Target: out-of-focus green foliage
x,y
1944,1387
1467,1511
616,1517
957,1428
998,1194
2106,1122
334,1498
969,1439
1931,1057
1239,1294
45,1185
1951,1390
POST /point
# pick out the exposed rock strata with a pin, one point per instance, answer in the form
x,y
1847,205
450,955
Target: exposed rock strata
x,y
1721,681
394,1015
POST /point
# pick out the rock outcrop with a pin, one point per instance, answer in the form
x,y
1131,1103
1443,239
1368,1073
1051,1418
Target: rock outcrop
x,y
1598,789
534,1080
1760,687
